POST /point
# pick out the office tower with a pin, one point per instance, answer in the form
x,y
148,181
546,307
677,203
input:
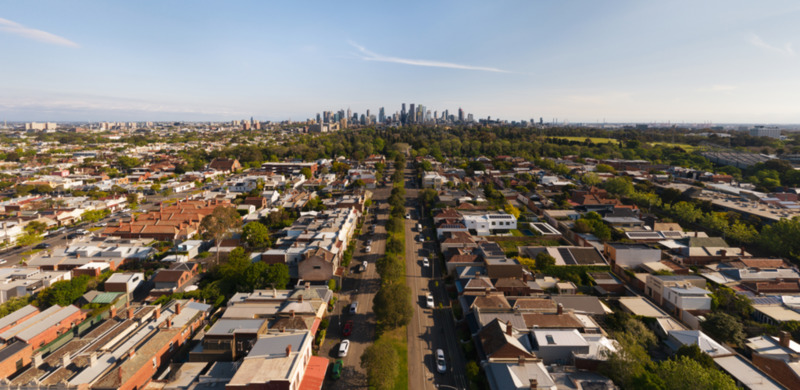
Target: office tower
x,y
368,114
363,119
349,114
470,118
381,115
319,118
460,115
541,121
412,113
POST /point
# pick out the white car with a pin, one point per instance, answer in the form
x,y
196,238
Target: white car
x,y
354,307
426,262
367,249
365,264
3,261
429,300
344,347
419,227
441,366
421,238
408,216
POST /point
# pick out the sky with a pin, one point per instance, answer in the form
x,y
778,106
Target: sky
x,y
579,61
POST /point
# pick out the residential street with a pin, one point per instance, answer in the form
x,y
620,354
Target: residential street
x,y
430,329
360,287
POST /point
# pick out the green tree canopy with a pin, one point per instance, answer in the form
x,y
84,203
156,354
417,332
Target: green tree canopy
x,y
381,362
256,235
392,305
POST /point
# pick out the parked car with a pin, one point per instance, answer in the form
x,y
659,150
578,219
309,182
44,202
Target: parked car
x,y
419,227
408,216
348,329
441,366
43,245
429,300
354,307
369,242
3,261
364,264
367,249
421,238
426,262
336,371
344,347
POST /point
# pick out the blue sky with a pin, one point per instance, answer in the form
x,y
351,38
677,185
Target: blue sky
x,y
582,61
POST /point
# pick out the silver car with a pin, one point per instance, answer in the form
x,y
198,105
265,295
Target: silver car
x,y
441,366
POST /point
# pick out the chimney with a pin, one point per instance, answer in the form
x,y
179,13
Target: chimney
x,y
292,313
158,313
301,299
274,292
92,359
37,360
288,350
534,384
113,311
723,252
560,309
178,308
785,339
509,328
119,375
308,285
695,233
521,360
131,353
65,360
130,313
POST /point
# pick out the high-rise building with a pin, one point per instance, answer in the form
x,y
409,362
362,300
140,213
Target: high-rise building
x,y
381,115
460,115
412,113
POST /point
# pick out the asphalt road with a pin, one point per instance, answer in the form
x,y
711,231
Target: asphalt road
x,y
360,287
430,329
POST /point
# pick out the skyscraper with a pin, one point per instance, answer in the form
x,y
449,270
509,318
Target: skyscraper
x,y
381,115
412,113
460,115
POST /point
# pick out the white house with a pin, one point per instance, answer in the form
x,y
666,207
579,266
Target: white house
x,y
433,180
686,298
10,231
485,224
558,346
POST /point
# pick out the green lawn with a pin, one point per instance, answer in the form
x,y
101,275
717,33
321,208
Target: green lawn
x,y
398,339
596,140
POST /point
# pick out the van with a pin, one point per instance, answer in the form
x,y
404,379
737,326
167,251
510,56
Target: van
x,y
419,227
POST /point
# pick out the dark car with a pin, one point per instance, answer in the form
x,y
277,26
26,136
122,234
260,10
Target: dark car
x,y
348,329
43,245
72,236
336,371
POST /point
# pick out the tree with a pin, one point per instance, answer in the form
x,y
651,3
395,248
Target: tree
x,y
392,305
28,239
605,168
93,216
65,292
724,327
256,235
686,212
509,208
381,362
278,275
590,179
306,171
220,223
35,227
684,373
127,163
692,351
619,186
727,300
544,260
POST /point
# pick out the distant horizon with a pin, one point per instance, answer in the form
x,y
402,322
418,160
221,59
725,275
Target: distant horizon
x,y
625,61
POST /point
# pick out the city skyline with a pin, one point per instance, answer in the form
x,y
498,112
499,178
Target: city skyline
x,y
718,62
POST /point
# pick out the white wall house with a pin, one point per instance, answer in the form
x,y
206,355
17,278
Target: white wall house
x,y
486,224
687,298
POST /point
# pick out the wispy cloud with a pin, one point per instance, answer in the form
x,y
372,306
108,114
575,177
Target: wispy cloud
x,y
367,55
32,33
756,41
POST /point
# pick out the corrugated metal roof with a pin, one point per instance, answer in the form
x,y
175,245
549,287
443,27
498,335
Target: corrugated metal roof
x,y
106,297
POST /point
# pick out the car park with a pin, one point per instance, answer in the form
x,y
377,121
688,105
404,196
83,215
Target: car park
x,y
348,328
429,300
426,262
344,347
441,366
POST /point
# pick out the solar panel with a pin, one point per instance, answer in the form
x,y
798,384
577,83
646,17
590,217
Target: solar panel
x,y
669,234
643,235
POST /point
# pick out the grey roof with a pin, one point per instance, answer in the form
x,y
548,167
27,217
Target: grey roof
x,y
7,335
17,315
228,326
46,323
10,350
275,344
581,303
